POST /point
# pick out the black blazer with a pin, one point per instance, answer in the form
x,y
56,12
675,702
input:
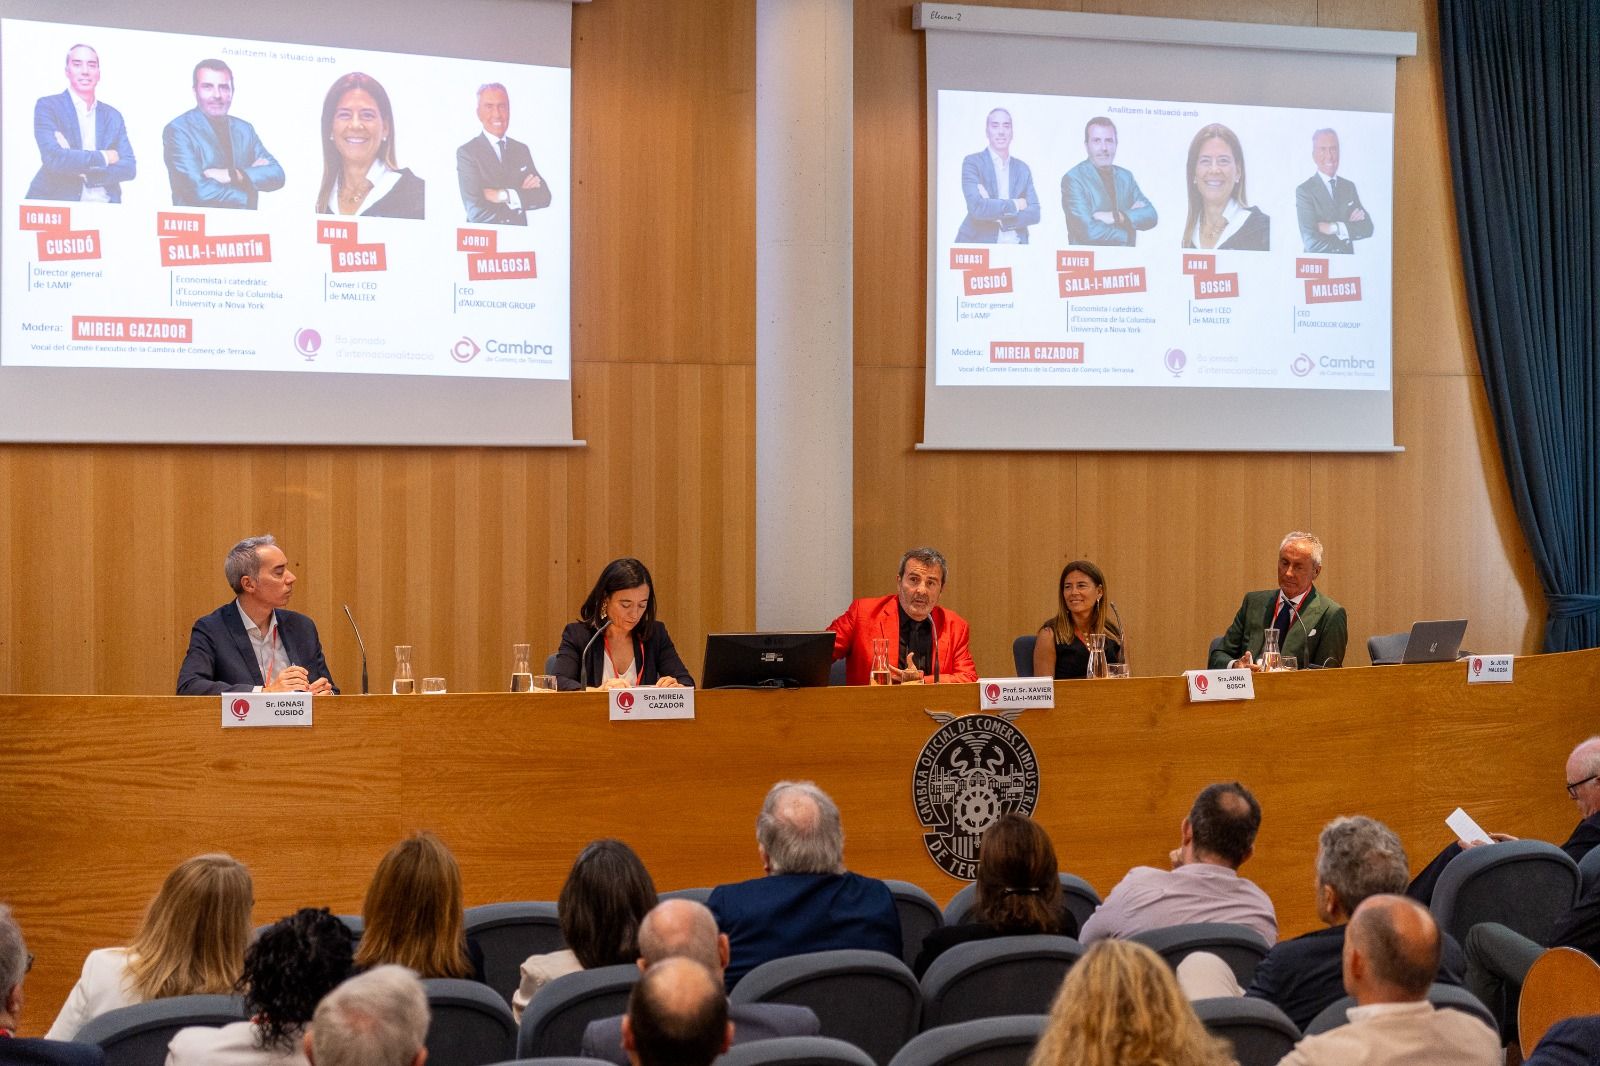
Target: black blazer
x,y
656,658
406,200
1253,235
220,658
18,1052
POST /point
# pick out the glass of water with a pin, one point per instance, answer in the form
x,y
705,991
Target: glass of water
x,y
433,686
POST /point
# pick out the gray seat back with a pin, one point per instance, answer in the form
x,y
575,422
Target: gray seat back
x,y
139,1035
1260,1033
1006,1041
1238,945
471,1024
867,998
555,1020
919,916
992,978
508,933
796,1051
1525,885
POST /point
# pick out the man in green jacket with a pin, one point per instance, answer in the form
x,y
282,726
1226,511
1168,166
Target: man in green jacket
x,y
1311,627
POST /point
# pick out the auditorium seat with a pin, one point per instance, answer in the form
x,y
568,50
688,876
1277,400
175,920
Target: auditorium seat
x,y
1022,654
1237,945
1562,983
838,672
555,1020
699,895
919,916
471,1024
1589,869
139,1035
1216,646
1077,895
1525,885
796,1051
1388,649
553,1060
1005,1041
1260,1033
1451,996
868,998
508,933
991,978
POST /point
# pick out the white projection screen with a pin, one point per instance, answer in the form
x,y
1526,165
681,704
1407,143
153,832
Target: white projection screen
x,y
1192,250
323,243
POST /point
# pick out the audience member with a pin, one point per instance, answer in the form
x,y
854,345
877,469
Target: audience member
x,y
677,1016
1583,788
1019,890
1218,835
1391,952
681,928
192,940
377,1018
1121,1006
413,913
293,963
607,894
1572,1042
15,962
807,902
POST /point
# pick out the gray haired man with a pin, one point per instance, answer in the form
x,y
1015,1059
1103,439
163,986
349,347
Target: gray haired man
x,y
378,1018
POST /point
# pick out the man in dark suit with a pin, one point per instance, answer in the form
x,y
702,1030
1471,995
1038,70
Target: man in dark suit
x,y
15,962
682,928
214,159
1311,627
83,144
807,902
998,188
1330,212
499,183
252,644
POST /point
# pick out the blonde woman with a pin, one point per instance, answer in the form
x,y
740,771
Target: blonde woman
x,y
1121,1006
414,915
192,941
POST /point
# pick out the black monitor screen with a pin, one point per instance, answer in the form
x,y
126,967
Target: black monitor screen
x,y
768,660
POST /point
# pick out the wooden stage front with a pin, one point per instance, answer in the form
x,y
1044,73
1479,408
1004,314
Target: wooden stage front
x,y
103,794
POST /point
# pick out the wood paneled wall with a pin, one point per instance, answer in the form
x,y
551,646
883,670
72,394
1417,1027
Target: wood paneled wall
x,y
1429,533
108,554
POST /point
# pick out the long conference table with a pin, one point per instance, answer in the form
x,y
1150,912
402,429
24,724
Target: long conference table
x,y
102,795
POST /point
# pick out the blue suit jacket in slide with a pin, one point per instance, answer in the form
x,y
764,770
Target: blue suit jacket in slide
x,y
65,170
988,215
189,145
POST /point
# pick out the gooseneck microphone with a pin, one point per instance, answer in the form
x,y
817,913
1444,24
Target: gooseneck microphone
x,y
1122,630
360,644
935,631
583,659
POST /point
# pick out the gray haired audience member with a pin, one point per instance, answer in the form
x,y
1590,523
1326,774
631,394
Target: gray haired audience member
x,y
378,1018
1391,953
677,1016
15,962
681,928
807,902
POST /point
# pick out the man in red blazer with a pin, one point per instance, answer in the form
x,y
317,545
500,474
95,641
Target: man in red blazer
x,y
926,642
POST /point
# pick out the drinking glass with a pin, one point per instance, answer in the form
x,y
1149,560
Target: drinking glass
x,y
1288,662
404,683
433,686
521,674
1118,670
879,675
544,682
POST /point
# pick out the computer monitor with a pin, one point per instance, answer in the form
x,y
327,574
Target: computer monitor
x,y
768,660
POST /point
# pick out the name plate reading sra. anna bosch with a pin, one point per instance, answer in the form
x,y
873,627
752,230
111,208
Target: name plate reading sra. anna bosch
x,y
647,704
1015,693
1209,686
265,709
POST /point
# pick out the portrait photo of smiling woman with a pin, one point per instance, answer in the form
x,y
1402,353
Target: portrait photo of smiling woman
x,y
359,173
1220,215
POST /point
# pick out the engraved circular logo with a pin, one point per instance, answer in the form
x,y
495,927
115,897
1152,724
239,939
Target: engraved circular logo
x,y
973,770
240,709
625,701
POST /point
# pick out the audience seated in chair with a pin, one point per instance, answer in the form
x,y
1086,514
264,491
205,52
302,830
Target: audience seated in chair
x,y
808,901
677,1016
413,914
378,1018
14,965
1498,958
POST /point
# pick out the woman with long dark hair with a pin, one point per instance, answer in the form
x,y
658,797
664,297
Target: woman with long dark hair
x,y
617,641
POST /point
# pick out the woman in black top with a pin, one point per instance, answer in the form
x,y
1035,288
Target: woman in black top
x,y
1019,891
1060,650
618,642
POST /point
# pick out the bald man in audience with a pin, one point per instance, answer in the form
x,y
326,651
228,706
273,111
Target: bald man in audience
x,y
1391,953
677,1016
378,1018
1203,885
682,928
808,901
1583,788
15,962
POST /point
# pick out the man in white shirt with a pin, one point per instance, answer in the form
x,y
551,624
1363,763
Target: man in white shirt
x,y
83,144
1391,952
1204,885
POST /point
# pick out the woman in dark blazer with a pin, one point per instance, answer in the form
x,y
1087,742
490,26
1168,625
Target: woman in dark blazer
x,y
617,642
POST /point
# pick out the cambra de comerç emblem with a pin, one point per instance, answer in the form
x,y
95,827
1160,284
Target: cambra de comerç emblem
x,y
974,769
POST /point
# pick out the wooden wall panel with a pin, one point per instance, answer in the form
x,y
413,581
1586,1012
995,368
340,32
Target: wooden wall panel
x,y
1427,533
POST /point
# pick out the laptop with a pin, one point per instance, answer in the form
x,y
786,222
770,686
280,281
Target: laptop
x,y
1435,642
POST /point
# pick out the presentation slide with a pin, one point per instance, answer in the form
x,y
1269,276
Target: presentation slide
x,y
1092,241
202,203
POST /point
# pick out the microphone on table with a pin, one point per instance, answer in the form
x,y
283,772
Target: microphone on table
x,y
583,658
1122,630
935,631
360,644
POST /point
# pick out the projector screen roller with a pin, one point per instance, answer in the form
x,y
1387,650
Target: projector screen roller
x,y
1138,242
378,235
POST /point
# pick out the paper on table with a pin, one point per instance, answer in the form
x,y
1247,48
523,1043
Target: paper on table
x,y
1465,829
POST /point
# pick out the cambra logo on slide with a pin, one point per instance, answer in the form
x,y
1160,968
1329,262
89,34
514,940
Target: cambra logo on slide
x,y
1302,365
465,350
308,342
1175,361
625,701
240,709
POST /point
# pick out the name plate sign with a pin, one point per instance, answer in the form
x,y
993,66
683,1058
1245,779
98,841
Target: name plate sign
x,y
1489,669
1015,693
265,709
1210,686
650,704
